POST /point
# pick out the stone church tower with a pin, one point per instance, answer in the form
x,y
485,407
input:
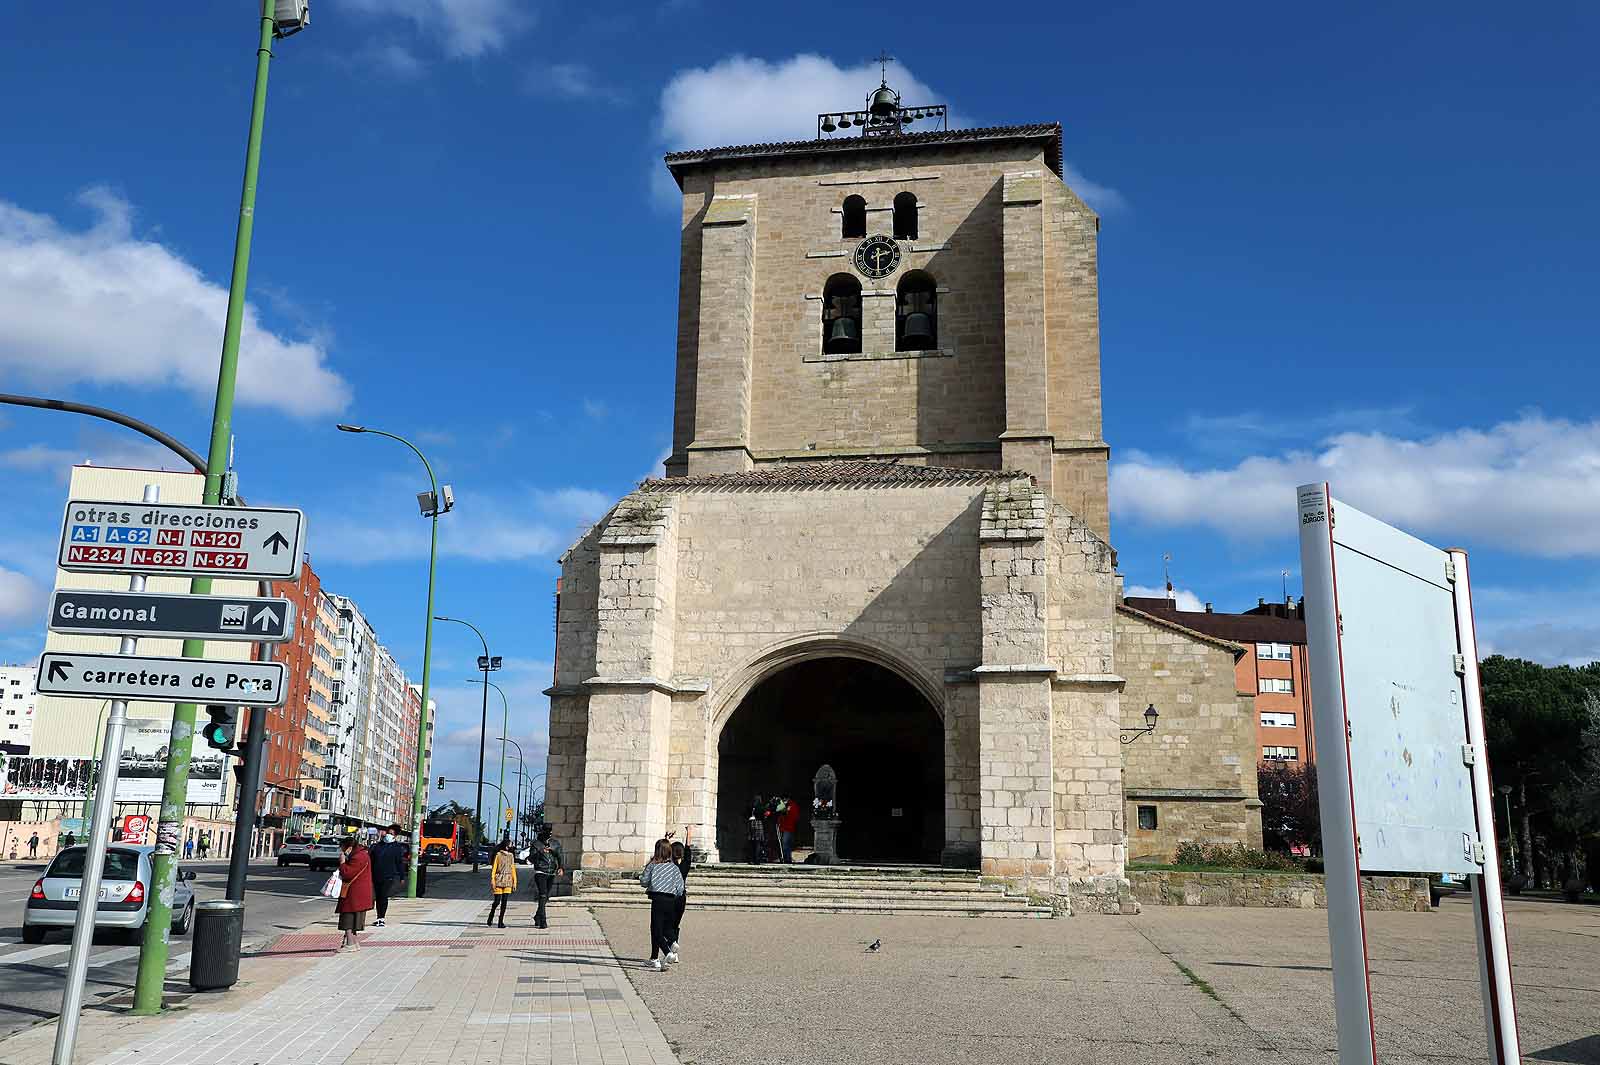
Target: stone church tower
x,y
881,543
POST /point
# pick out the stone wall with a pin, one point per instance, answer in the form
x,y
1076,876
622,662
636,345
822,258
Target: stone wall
x,y
1306,891
1198,768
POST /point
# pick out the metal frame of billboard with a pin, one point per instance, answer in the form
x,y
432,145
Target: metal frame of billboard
x,y
1397,573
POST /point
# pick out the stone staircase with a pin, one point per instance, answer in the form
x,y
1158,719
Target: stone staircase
x,y
883,889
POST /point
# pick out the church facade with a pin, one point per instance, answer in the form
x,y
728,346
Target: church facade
x,y
882,542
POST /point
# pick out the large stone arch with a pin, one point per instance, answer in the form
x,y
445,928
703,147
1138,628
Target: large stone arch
x,y
815,655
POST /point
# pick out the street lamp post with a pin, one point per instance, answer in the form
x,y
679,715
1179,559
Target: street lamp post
x,y
505,721
1511,838
485,663
432,506
522,768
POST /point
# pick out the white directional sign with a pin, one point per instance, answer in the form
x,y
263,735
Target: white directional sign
x,y
177,680
200,617
100,537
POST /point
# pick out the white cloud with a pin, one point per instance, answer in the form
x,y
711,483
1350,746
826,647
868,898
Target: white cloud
x,y
1526,485
743,100
96,448
22,600
1187,600
466,28
518,526
395,60
572,81
103,306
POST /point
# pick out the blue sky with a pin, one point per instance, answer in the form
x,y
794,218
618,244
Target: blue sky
x,y
1352,245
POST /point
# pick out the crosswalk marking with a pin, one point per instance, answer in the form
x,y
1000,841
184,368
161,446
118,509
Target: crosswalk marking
x,y
105,957
24,956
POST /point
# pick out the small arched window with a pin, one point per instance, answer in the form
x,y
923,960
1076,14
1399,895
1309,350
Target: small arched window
x,y
916,313
841,316
855,217
905,216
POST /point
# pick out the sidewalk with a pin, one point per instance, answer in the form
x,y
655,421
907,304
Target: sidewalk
x,y
436,986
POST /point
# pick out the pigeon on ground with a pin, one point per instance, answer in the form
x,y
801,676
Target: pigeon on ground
x,y
872,948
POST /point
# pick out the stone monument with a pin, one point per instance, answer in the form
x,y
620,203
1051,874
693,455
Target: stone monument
x,y
825,817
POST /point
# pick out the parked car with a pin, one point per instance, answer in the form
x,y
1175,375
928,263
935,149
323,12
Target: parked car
x,y
296,849
324,853
436,853
124,904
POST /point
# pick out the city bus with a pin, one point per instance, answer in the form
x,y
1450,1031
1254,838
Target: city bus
x,y
441,842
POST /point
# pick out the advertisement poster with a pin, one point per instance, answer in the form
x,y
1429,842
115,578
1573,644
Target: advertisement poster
x,y
144,761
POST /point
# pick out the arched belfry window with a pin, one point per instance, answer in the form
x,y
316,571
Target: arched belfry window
x,y
841,316
855,217
916,313
905,216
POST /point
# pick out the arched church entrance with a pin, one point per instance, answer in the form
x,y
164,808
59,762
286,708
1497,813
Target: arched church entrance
x,y
879,733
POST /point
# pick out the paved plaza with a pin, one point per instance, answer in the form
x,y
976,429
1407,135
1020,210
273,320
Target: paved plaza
x,y
1169,986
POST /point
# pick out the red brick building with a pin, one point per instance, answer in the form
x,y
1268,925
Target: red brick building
x,y
1275,667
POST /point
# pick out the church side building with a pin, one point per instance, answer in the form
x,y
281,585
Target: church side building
x,y
882,540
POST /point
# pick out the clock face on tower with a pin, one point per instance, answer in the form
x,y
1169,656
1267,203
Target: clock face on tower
x,y
877,256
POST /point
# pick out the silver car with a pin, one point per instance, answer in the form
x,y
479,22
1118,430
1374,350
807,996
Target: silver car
x,y
124,894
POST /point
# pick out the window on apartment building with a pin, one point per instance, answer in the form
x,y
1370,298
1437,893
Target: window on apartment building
x,y
1280,754
1282,652
1278,685
1277,718
1147,818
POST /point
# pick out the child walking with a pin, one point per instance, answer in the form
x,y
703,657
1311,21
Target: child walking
x,y
663,882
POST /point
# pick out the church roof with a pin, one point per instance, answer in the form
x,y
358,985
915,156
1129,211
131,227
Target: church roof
x,y
843,473
1170,623
1049,132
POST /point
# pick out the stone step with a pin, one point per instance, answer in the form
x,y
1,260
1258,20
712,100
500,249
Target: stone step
x,y
698,879
893,872
702,889
1000,906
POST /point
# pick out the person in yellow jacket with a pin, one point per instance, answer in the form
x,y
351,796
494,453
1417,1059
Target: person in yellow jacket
x,y
502,879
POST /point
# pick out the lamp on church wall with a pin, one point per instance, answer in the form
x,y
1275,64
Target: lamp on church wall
x,y
1150,715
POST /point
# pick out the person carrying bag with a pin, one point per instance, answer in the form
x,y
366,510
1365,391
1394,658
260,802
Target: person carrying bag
x,y
502,880
355,892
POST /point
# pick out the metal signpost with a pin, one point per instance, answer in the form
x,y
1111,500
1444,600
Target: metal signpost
x,y
1399,725
95,847
215,617
101,676
194,541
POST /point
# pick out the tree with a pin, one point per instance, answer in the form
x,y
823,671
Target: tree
x,y
471,830
1290,816
1541,739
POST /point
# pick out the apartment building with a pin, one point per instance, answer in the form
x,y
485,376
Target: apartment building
x,y
17,701
1275,667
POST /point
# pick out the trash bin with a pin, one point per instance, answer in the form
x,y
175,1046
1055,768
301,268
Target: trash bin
x,y
214,954
422,879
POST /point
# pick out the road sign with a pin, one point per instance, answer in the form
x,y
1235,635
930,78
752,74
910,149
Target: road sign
x,y
101,537
200,617
99,676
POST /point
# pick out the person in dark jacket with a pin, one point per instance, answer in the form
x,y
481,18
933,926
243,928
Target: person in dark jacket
x,y
391,857
663,882
548,866
680,855
355,891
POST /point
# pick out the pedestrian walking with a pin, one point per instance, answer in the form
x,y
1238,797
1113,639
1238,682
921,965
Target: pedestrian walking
x,y
663,882
391,857
680,856
788,822
33,846
355,891
205,844
549,865
502,879
188,848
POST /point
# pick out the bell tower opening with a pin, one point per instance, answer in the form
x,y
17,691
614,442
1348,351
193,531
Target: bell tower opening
x,y
881,736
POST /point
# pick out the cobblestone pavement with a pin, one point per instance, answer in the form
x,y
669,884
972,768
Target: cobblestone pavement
x,y
1169,986
434,986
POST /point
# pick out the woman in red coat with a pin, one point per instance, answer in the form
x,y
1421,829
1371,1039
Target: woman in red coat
x,y
356,895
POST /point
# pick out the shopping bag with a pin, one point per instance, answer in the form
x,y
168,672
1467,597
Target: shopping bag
x,y
330,888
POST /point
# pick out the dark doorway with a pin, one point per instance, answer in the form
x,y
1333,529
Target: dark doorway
x,y
878,732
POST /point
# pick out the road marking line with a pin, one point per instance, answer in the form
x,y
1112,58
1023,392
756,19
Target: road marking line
x,y
105,957
23,956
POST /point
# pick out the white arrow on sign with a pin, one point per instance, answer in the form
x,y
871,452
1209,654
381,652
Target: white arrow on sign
x,y
265,619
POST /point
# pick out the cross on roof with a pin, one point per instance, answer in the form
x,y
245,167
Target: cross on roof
x,y
884,59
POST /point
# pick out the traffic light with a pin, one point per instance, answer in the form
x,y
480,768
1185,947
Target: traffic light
x,y
223,724
441,783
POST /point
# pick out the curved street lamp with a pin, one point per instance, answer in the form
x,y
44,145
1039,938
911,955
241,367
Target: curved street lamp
x,y
485,663
1150,715
420,792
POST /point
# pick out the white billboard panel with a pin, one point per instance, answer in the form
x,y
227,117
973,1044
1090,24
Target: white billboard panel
x,y
140,775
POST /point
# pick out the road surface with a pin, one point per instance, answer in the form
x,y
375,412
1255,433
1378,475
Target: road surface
x,y
31,977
